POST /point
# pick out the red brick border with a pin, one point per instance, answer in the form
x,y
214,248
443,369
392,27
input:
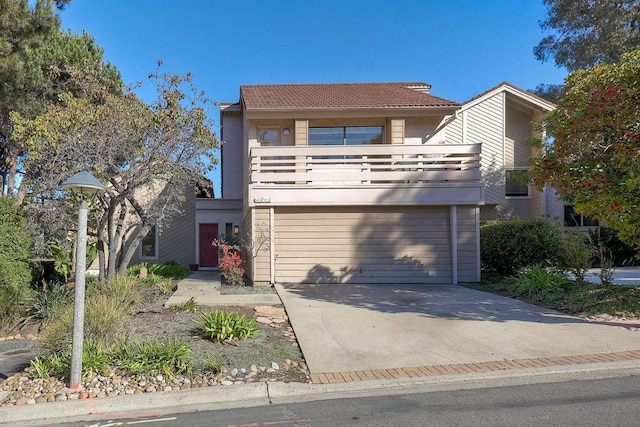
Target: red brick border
x,y
463,368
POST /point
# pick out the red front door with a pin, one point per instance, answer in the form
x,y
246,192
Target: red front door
x,y
208,252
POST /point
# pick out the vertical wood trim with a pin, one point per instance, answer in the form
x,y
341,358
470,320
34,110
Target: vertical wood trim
x,y
477,212
301,132
272,249
453,217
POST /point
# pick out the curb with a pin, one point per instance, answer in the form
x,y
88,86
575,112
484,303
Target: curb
x,y
267,393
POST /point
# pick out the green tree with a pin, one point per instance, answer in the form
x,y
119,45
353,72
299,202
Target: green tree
x,y
588,32
15,272
37,61
593,160
146,153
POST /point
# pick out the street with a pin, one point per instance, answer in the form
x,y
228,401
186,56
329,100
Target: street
x,y
602,402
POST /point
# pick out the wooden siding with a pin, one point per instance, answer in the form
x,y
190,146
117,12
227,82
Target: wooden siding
x,y
518,131
485,125
231,155
301,132
248,233
260,239
467,235
396,131
362,245
176,240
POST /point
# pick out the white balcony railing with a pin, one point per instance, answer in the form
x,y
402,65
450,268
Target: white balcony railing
x,y
360,167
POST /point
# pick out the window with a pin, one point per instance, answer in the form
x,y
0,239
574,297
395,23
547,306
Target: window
x,y
574,219
149,247
346,135
515,184
268,137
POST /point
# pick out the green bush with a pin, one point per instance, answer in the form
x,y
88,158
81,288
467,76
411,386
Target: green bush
x,y
103,317
508,246
575,254
152,357
168,269
15,271
537,281
48,301
225,326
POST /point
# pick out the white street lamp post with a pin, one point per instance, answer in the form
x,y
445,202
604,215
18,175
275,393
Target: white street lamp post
x,y
80,183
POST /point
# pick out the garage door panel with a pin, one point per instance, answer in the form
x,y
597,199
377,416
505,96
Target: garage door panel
x,y
379,245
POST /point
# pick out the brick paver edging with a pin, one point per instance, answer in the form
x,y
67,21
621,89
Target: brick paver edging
x,y
466,368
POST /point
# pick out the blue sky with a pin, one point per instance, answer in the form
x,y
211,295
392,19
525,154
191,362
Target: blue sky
x,y
460,47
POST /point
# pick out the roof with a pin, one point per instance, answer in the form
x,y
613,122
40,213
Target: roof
x,y
341,96
521,93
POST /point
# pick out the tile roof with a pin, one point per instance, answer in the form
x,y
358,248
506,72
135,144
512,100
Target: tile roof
x,y
340,96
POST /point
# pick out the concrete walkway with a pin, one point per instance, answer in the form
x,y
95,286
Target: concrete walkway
x,y
348,328
204,287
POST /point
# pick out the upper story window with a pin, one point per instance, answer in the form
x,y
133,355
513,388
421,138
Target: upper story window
x,y
515,184
269,137
346,135
574,219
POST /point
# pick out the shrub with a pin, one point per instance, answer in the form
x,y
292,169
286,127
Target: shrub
x,y
188,305
575,254
223,326
230,265
48,301
212,363
508,246
15,271
103,317
152,357
537,281
122,289
168,269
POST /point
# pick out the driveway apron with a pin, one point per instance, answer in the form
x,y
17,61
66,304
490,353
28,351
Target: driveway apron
x,y
350,327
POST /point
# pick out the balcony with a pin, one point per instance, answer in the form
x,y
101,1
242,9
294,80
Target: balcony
x,y
365,175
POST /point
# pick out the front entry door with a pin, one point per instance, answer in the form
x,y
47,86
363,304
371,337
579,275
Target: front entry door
x,y
208,252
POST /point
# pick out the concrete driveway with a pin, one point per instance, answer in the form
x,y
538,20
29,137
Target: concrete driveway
x,y
348,327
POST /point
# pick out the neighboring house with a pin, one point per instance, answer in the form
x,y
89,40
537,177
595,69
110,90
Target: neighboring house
x,y
367,183
503,119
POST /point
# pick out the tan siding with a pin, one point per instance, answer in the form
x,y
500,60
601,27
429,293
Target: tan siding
x,y
468,268
262,260
356,245
301,132
396,131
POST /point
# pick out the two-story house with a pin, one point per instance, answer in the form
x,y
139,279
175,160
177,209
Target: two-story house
x,y
368,182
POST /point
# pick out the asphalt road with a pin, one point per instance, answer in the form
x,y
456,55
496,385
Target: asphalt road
x,y
14,357
603,402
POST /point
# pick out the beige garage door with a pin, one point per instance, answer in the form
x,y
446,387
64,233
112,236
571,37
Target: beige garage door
x,y
352,245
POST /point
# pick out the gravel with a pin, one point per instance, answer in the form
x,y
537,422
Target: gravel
x,y
272,355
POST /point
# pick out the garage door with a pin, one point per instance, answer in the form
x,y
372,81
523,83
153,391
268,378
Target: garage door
x,y
356,245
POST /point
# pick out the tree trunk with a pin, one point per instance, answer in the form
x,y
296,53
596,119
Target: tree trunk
x,y
131,249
